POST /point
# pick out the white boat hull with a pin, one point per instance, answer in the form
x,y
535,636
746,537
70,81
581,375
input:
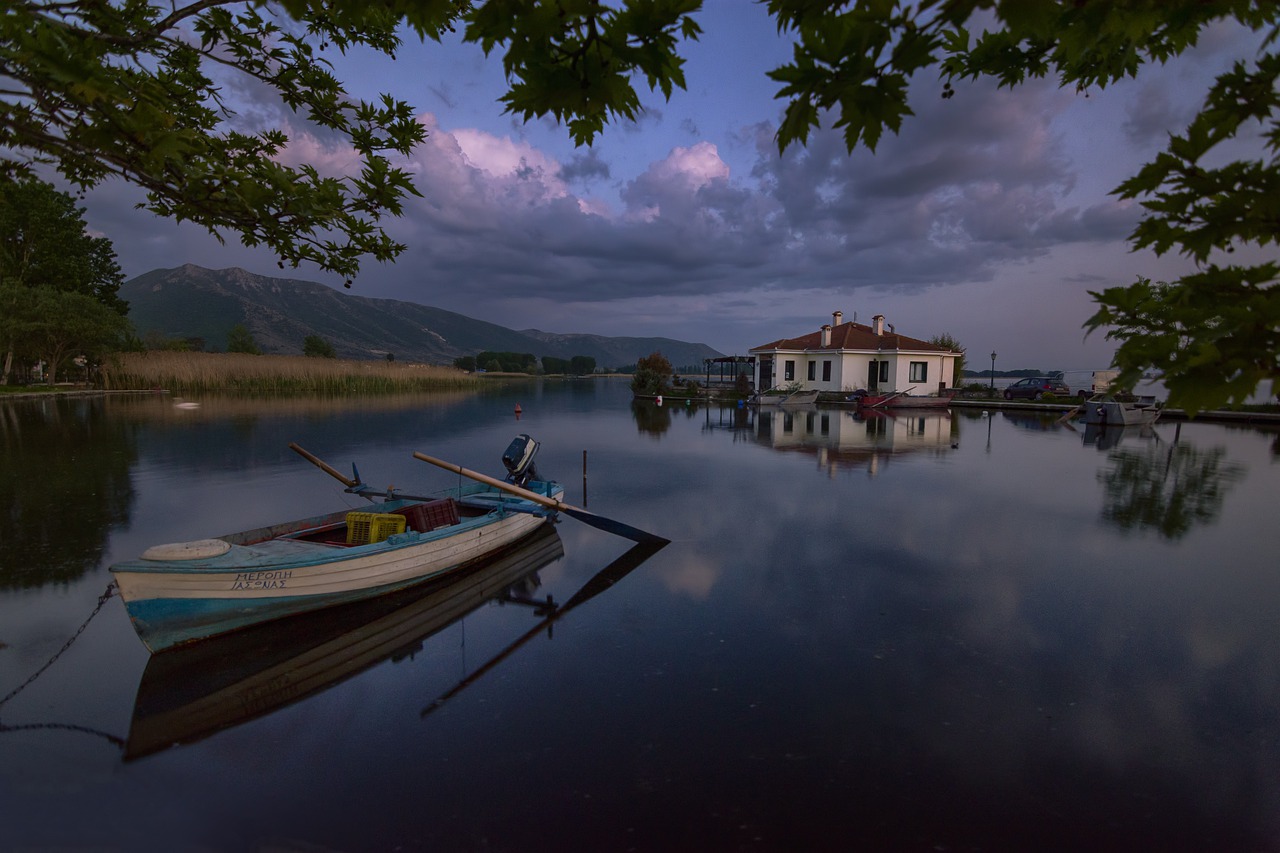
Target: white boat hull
x,y
799,398
172,602
1108,412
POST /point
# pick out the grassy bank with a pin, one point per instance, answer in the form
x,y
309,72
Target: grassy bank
x,y
238,373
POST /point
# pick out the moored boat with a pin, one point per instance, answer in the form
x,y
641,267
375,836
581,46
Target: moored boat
x,y
187,591
793,398
1107,410
903,400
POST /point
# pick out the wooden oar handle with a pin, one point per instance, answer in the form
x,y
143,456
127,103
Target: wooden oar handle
x,y
607,524
491,481
323,466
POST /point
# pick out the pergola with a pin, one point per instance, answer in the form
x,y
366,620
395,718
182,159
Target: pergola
x,y
730,366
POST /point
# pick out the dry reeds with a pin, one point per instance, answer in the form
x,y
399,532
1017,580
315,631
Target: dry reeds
x,y
268,375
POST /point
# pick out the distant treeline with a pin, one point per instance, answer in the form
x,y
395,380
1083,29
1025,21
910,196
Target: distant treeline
x,y
1006,373
526,362
693,370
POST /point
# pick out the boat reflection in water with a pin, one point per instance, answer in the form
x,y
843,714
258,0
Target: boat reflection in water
x,y
189,693
1107,437
869,439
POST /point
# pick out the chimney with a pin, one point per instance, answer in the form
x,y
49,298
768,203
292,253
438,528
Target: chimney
x,y
836,317
826,333
877,324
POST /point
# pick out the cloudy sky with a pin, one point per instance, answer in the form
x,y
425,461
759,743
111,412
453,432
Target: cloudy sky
x,y
988,218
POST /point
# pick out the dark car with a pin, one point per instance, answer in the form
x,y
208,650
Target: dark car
x,y
1035,387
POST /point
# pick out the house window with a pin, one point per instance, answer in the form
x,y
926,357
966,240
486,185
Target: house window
x,y
788,371
813,370
884,371
826,371
919,371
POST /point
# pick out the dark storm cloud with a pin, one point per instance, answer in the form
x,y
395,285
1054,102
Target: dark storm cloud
x,y
1153,115
972,185
585,167
963,190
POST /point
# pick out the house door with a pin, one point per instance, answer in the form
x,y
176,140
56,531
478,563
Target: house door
x,y
873,376
766,374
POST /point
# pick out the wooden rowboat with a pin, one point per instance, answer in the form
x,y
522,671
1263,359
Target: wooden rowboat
x,y
903,400
188,591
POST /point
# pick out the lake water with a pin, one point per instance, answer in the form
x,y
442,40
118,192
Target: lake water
x,y
933,633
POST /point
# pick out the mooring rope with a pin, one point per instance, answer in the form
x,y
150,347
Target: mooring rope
x,y
114,739
102,599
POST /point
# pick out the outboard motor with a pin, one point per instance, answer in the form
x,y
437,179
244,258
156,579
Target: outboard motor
x,y
518,460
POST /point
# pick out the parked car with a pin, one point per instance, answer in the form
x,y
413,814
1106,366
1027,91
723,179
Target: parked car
x,y
1035,387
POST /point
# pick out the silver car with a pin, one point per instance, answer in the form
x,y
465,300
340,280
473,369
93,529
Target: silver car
x,y
1035,387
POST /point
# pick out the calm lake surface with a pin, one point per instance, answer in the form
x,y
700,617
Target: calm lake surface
x,y
941,633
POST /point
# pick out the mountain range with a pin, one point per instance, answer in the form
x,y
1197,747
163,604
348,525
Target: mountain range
x,y
194,302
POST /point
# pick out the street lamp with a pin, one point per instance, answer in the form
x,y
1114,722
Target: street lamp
x,y
993,373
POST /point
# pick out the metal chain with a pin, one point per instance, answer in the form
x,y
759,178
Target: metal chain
x,y
102,599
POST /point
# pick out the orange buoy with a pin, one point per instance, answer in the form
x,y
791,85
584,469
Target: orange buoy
x,y
519,411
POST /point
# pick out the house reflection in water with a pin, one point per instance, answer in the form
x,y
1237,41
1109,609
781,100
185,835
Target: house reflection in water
x,y
846,440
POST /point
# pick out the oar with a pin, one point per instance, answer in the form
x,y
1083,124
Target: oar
x,y
356,487
609,525
325,467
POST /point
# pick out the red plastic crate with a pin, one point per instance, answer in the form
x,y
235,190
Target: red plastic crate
x,y
430,515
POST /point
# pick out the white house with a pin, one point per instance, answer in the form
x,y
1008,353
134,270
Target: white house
x,y
849,356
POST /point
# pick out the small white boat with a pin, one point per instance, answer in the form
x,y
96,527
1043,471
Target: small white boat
x,y
187,591
1106,410
902,400
794,398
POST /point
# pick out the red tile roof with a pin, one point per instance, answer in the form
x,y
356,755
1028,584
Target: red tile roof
x,y
851,336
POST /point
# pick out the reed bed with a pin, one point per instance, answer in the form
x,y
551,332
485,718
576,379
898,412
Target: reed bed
x,y
274,375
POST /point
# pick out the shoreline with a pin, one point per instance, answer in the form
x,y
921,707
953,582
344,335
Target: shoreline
x,y
1215,415
1218,415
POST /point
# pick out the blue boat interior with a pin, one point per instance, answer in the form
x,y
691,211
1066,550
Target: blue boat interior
x,y
420,517
472,501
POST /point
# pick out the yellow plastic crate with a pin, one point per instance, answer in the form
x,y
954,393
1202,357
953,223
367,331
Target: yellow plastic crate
x,y
366,527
